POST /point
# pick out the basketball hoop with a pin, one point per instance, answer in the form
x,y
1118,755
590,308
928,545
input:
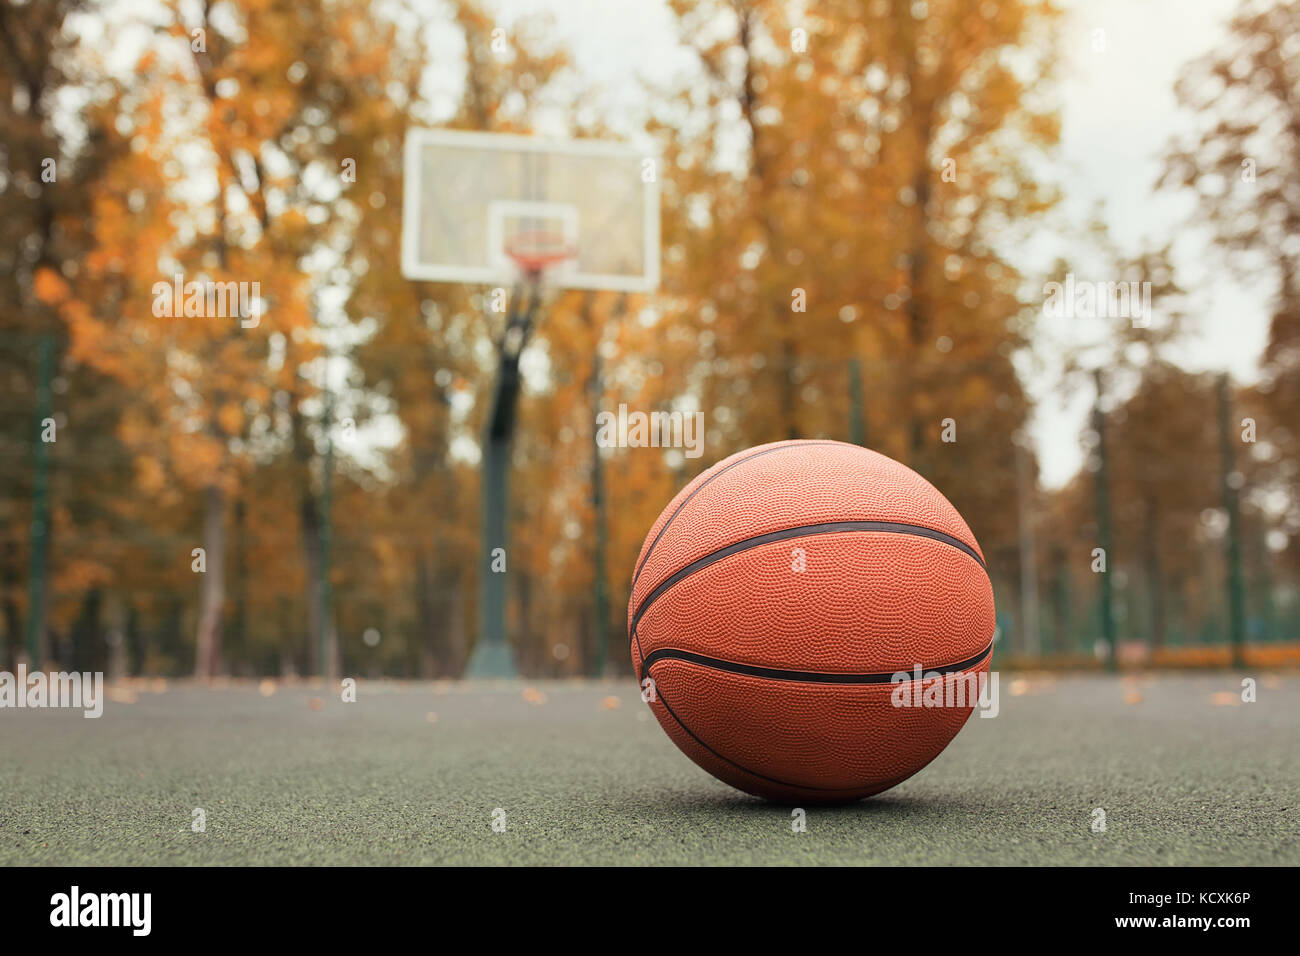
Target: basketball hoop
x,y
537,250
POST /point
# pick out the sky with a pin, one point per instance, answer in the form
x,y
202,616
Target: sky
x,y
1118,115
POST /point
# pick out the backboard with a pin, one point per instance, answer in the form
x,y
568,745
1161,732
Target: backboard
x,y
468,196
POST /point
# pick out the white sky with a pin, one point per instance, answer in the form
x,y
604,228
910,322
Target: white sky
x,y
1119,113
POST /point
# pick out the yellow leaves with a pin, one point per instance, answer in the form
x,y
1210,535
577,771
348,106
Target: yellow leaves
x,y
50,287
198,459
293,222
150,476
1043,127
79,574
230,419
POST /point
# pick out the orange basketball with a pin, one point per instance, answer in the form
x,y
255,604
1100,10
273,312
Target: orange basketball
x,y
775,603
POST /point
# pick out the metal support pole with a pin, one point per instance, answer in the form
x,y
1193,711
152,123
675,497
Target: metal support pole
x,y
1231,504
38,568
857,425
326,536
601,626
1031,644
492,656
1103,530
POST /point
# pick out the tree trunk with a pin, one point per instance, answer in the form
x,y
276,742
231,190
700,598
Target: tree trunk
x,y
13,634
88,634
118,663
457,655
309,520
13,618
207,658
239,624
1154,575
918,319
135,639
1061,604
524,604
426,629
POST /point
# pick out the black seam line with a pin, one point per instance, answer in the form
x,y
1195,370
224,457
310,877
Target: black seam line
x,y
632,638
753,773
762,776
828,527
766,451
808,677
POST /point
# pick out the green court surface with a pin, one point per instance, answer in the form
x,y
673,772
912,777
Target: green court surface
x,y
413,773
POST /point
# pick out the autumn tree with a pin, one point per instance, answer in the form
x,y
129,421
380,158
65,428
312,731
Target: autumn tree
x,y
1164,448
847,190
1242,163
53,162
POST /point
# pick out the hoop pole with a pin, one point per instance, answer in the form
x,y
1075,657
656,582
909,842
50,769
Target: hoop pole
x,y
492,656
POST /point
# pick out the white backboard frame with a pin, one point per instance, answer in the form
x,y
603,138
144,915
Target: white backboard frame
x,y
498,269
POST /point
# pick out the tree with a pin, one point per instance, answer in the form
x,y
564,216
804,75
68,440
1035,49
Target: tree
x,y
1243,164
51,172
881,171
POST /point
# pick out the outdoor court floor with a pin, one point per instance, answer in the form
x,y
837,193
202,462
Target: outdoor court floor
x,y
412,773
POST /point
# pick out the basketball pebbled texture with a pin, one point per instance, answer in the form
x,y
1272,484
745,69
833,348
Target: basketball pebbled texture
x,y
778,681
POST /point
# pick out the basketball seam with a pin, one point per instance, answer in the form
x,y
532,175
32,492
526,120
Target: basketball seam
x,y
754,773
807,677
826,527
803,444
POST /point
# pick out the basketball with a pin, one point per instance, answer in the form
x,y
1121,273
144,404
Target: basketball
x,y
809,621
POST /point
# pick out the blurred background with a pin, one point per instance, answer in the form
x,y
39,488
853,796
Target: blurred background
x,y
863,203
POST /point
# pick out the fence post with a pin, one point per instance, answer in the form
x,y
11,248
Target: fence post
x,y
1032,643
1236,591
38,568
1103,530
857,427
600,627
